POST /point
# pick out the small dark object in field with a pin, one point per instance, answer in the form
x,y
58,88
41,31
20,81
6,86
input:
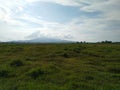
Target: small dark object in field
x,y
65,49
35,73
16,63
65,55
89,78
3,73
76,50
114,70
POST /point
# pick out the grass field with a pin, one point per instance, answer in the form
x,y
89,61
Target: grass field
x,y
59,66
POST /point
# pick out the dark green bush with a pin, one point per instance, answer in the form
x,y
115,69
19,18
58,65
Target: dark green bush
x,y
4,73
35,73
76,50
89,78
114,70
16,63
66,49
66,55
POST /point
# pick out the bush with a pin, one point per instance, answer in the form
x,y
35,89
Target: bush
x,y
16,63
3,73
76,50
114,70
66,55
89,78
66,49
35,73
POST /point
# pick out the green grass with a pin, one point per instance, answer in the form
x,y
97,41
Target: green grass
x,y
59,66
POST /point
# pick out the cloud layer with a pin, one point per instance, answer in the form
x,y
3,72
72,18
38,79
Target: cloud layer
x,y
96,20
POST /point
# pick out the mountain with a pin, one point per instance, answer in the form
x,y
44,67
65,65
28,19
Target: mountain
x,y
43,40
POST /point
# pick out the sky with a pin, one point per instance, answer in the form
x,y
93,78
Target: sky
x,y
76,20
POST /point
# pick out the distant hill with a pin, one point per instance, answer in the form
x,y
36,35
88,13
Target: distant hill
x,y
43,40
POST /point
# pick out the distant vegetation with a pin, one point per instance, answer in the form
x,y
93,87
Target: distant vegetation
x,y
60,66
106,41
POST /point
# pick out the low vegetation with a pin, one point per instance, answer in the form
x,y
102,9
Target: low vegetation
x,y
16,63
78,66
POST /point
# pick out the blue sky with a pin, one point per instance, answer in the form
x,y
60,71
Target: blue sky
x,y
78,20
57,13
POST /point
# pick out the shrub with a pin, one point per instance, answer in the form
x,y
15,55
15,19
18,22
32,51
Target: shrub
x,y
114,70
89,78
35,73
66,55
16,63
77,50
3,73
66,49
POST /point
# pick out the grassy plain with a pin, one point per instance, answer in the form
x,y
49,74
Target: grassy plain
x,y
59,66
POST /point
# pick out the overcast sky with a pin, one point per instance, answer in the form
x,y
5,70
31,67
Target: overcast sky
x,y
78,20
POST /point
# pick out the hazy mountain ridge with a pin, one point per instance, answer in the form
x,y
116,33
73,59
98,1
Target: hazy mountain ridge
x,y
43,40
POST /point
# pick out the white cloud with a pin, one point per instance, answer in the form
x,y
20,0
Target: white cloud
x,y
108,8
61,2
8,32
106,26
